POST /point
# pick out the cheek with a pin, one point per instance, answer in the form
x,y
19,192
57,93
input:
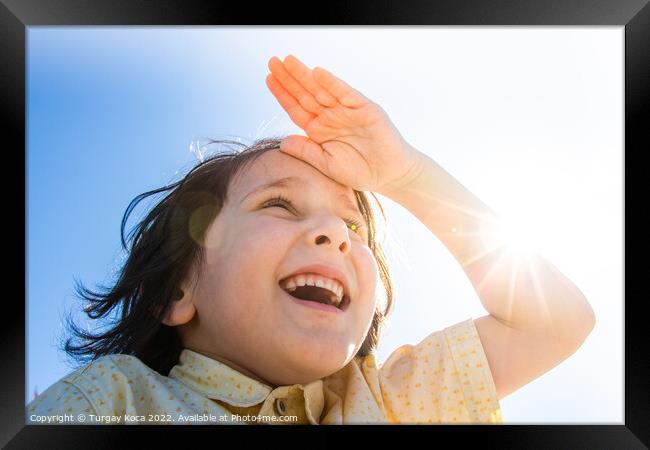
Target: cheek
x,y
241,273
265,235
369,281
233,299
367,268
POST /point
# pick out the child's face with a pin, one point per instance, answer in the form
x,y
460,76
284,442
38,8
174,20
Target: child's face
x,y
242,315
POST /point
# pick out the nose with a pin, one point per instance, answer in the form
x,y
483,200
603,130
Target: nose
x,y
331,232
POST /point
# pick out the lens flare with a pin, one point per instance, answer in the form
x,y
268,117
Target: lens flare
x,y
520,234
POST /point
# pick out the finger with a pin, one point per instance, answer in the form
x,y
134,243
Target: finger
x,y
304,76
302,95
305,149
343,92
296,112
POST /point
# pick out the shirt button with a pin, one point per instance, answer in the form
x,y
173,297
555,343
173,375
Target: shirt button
x,y
280,407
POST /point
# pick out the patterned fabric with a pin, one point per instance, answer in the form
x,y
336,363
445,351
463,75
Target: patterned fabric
x,y
443,379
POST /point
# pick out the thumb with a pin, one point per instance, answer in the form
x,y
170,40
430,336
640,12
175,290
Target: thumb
x,y
305,149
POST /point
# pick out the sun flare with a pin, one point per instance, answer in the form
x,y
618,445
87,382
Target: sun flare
x,y
521,233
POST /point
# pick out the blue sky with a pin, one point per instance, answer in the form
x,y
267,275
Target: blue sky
x,y
530,119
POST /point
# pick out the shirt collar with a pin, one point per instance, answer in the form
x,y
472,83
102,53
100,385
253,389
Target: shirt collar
x,y
216,380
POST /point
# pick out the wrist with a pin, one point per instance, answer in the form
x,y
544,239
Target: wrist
x,y
404,183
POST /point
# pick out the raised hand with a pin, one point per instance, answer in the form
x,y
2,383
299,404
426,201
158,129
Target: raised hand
x,y
349,138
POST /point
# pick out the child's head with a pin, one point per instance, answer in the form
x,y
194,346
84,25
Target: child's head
x,y
205,266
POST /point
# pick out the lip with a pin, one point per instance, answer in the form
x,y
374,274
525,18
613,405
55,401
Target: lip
x,y
326,271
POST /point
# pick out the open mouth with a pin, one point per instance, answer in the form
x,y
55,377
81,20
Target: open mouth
x,y
318,295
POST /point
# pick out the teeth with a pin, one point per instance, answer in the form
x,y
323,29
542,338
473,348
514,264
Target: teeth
x,y
314,280
301,280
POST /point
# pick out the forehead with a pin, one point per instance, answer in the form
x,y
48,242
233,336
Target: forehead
x,y
275,166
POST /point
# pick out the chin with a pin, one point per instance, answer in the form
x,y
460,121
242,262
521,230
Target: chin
x,y
317,360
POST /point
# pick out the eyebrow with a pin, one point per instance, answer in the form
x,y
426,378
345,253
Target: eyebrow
x,y
288,181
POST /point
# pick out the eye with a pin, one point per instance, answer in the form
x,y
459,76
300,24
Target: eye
x,y
354,225
279,201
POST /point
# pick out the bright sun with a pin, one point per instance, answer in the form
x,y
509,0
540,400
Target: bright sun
x,y
521,233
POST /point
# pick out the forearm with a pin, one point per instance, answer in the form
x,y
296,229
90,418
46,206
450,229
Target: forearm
x,y
527,293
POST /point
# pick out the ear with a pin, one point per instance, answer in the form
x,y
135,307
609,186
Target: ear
x,y
181,310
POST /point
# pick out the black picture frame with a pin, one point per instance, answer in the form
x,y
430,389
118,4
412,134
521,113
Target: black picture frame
x,y
634,15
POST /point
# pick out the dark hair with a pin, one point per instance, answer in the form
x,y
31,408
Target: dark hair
x,y
162,254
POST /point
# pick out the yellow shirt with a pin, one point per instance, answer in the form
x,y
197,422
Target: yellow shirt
x,y
443,379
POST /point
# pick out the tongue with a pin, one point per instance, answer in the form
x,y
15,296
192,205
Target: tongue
x,y
313,294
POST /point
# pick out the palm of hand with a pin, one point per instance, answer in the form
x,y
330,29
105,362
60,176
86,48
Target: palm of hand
x,y
349,138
